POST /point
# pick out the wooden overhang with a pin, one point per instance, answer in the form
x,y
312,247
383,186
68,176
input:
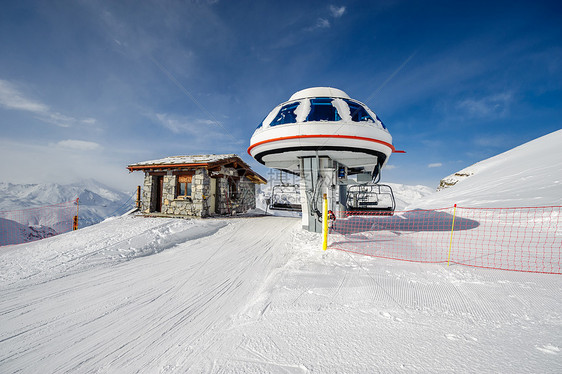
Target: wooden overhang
x,y
234,162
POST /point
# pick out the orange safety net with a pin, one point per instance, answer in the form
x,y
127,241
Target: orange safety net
x,y
26,225
518,239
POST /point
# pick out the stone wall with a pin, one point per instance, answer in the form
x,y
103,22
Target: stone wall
x,y
242,200
198,205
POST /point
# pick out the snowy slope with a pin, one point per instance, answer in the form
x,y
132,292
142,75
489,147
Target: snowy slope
x,y
528,175
256,295
407,194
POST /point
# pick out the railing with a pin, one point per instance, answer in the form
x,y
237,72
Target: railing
x,y
518,239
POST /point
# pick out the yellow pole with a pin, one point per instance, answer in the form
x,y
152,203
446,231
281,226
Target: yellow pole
x,y
325,223
452,229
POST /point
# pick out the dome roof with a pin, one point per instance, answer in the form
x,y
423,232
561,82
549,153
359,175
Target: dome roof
x,y
319,92
321,122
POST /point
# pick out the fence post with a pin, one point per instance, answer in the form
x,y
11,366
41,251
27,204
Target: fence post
x,y
325,223
75,218
138,197
452,229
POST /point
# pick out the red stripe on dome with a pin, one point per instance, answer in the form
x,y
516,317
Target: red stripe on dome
x,y
325,136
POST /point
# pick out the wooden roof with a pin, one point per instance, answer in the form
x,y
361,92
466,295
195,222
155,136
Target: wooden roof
x,y
209,162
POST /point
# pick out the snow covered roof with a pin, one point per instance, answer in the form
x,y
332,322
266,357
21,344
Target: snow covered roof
x,y
197,161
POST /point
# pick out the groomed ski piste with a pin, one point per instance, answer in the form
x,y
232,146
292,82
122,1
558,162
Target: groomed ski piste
x,y
257,295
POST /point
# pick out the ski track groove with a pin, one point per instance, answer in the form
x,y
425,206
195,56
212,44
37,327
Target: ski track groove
x,y
164,303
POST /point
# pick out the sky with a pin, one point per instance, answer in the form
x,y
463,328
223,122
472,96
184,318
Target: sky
x,y
89,87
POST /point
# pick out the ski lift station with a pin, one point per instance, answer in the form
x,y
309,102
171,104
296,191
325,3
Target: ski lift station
x,y
336,145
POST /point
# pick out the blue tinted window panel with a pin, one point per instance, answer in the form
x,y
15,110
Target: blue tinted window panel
x,y
321,109
286,115
358,113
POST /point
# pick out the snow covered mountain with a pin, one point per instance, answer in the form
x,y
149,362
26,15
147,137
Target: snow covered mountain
x,y
12,232
97,201
527,175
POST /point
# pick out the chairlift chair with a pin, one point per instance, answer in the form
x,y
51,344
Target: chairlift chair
x,y
285,197
377,199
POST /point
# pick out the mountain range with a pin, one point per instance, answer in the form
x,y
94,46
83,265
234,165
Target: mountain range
x,y
28,211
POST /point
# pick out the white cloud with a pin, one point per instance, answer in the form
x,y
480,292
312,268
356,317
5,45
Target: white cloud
x,y
336,11
322,23
89,121
389,167
59,164
202,132
12,98
81,145
435,165
183,124
488,106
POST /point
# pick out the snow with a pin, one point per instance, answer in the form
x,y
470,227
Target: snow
x,y
187,160
20,196
36,204
257,294
528,175
12,232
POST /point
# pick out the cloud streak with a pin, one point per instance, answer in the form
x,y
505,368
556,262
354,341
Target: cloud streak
x,y
323,22
201,132
336,11
80,145
12,98
493,105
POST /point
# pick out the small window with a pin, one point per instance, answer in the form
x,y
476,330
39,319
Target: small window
x,y
183,190
358,113
322,110
286,115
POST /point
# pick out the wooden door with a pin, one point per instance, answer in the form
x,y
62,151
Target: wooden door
x,y
213,197
159,190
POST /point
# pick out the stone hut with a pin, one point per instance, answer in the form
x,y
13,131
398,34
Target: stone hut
x,y
197,186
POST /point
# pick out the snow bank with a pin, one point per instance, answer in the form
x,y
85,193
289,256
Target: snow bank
x,y
528,175
106,243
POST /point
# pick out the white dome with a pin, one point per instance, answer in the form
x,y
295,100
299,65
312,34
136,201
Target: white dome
x,y
324,122
319,92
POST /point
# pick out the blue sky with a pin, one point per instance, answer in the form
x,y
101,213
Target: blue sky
x,y
88,87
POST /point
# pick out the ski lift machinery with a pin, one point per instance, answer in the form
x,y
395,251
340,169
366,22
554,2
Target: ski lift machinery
x,y
336,145
285,196
370,197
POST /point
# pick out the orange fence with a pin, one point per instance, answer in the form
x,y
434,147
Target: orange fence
x,y
26,225
518,239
